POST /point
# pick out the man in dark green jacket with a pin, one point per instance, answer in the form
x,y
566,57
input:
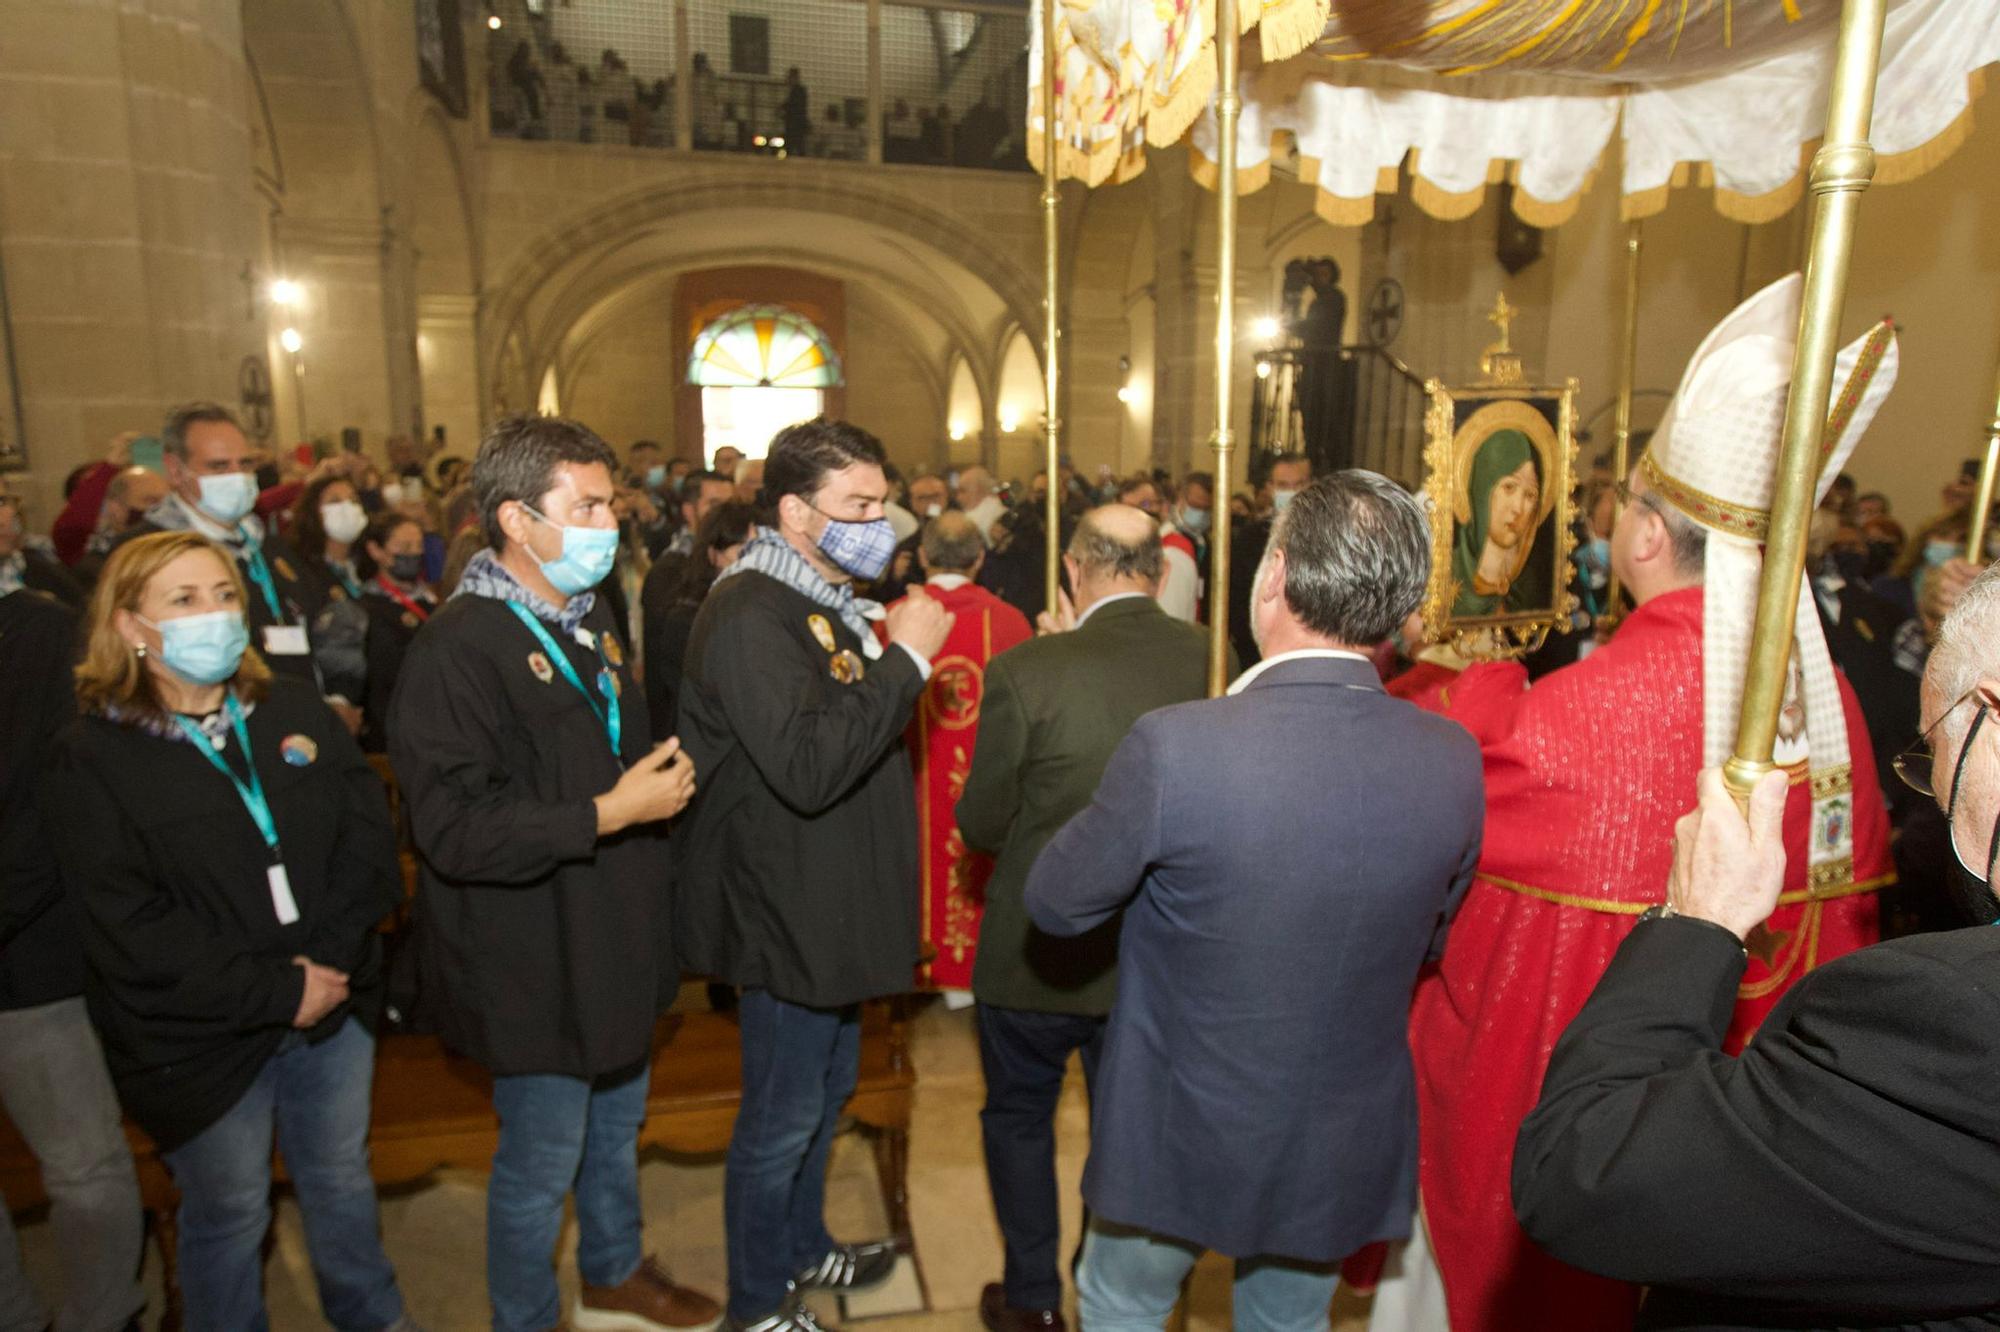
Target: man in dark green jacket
x,y
1054,710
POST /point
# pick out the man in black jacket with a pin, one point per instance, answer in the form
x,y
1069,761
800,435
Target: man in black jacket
x,y
1842,1172
52,1076
537,803
798,863
209,465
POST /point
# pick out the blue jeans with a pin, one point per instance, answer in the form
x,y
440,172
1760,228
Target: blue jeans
x,y
559,1134
317,1097
799,1068
55,1089
1025,1056
1130,1279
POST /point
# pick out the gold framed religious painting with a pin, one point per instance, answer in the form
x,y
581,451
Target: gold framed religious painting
x,y
1501,465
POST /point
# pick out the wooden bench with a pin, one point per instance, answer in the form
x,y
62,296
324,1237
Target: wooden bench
x,y
432,1110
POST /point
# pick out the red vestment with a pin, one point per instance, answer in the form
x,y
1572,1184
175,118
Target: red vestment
x,y
1586,774
1426,684
940,737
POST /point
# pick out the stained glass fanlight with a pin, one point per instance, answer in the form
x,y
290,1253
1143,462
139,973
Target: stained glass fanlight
x,y
763,346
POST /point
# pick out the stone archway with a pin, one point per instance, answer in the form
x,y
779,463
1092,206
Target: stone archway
x,y
571,255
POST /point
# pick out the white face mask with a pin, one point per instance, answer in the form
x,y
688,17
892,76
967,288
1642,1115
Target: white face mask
x,y
229,497
344,520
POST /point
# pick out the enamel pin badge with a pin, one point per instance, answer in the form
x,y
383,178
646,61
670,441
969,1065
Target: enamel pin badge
x,y
539,664
299,750
822,631
846,666
613,654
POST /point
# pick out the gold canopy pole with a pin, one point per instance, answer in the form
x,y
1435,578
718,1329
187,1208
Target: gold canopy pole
x,y
1982,503
1227,106
1621,438
1051,330
1841,170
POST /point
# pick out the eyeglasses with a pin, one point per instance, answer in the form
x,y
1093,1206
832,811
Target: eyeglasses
x,y
1914,765
1628,496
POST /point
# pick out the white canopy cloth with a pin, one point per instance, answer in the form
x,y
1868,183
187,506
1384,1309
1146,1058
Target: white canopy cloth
x,y
1729,93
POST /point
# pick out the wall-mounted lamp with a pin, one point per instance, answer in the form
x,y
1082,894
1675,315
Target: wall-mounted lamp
x,y
1010,421
1265,328
957,432
493,22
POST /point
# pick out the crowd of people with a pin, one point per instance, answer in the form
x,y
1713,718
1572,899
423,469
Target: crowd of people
x,y
809,730
540,90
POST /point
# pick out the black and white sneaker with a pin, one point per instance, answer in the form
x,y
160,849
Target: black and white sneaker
x,y
794,1317
850,1267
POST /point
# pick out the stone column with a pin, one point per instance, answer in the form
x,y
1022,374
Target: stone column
x,y
448,359
127,218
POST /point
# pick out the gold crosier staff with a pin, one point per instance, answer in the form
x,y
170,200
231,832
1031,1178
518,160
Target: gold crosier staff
x,y
1841,170
1982,503
1051,330
1228,104
1621,436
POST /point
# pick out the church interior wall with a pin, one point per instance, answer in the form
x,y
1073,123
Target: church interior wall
x,y
445,271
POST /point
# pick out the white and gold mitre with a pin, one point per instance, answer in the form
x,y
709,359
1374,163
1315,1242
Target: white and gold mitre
x,y
1714,458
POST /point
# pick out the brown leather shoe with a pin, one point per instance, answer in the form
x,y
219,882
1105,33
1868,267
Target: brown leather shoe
x,y
647,1301
993,1312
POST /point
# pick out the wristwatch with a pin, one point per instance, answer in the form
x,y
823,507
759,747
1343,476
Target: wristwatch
x,y
1666,911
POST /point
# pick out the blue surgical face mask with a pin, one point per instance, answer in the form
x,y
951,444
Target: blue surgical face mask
x,y
1937,552
1194,520
1281,500
656,476
202,649
587,556
228,498
863,549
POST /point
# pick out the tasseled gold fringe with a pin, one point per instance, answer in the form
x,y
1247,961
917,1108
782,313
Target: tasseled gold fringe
x,y
1290,26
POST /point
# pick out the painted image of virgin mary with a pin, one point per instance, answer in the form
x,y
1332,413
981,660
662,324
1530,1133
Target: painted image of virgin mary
x,y
1502,509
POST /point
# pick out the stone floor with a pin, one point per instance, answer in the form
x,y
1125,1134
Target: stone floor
x,y
435,1232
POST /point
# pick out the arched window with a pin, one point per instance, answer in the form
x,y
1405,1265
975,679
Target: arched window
x,y
763,346
760,368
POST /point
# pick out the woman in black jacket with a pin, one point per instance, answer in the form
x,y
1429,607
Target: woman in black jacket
x,y
390,561
231,851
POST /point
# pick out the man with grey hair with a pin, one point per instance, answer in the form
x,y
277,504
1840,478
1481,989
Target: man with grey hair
x,y
212,481
1842,1170
1280,887
1054,712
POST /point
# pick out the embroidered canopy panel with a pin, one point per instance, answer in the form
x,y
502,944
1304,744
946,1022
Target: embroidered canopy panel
x,y
1729,94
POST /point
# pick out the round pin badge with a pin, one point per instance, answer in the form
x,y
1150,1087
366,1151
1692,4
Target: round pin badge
x,y
540,666
846,666
299,750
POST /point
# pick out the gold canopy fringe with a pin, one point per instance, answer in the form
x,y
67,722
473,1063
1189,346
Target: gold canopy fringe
x,y
1289,26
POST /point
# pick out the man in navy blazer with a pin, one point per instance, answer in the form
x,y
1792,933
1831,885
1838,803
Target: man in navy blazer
x,y
1285,859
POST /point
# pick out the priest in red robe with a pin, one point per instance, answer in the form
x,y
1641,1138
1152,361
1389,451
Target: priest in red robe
x,y
1586,773
940,738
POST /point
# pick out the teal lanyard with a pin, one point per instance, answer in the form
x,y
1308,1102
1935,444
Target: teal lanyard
x,y
346,581
260,574
252,792
607,712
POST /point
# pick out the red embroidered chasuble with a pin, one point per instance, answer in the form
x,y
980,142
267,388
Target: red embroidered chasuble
x,y
1586,774
940,737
